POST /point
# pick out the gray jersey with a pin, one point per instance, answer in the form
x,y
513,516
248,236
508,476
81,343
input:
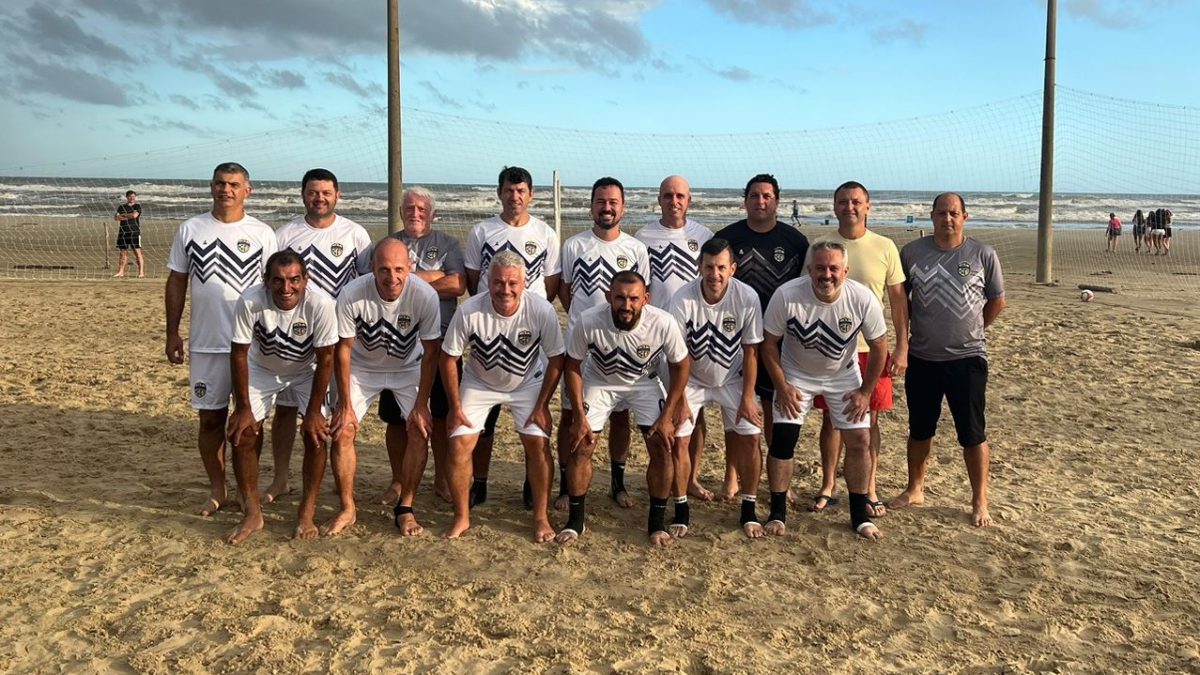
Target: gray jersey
x,y
948,290
436,251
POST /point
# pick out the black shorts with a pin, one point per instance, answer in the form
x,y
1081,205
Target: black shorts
x,y
763,386
962,382
129,238
439,407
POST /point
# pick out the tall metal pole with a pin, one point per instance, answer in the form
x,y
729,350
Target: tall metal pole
x,y
395,149
1045,241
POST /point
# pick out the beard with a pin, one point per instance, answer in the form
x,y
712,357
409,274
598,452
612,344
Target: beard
x,y
625,325
606,225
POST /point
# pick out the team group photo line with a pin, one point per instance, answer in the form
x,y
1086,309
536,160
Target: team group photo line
x,y
313,323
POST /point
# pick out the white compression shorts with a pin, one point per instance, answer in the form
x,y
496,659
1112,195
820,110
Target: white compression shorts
x,y
729,397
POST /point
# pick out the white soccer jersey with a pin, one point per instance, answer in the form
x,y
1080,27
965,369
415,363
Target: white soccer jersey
x,y
819,338
387,334
590,263
282,341
535,241
622,357
714,334
334,255
506,351
223,260
674,257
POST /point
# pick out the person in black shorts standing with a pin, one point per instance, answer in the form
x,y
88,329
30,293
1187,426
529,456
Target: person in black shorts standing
x,y
129,234
768,253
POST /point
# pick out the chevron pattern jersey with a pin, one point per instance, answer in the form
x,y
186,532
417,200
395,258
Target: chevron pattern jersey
x,y
387,335
674,257
612,356
766,260
282,342
589,264
715,333
536,242
948,290
506,352
819,337
334,255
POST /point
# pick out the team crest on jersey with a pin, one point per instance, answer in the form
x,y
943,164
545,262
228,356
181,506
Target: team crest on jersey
x,y
844,324
431,254
622,262
243,246
404,322
693,245
780,254
531,248
586,407
299,329
524,337
964,268
643,351
336,249
200,389
728,323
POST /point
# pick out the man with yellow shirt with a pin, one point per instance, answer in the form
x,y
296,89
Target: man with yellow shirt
x,y
875,262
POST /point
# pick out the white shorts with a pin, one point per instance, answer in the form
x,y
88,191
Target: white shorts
x,y
286,399
211,380
477,400
566,400
833,390
646,399
267,389
729,397
1158,232
365,387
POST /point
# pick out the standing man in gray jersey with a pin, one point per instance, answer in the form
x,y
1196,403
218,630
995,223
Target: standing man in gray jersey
x,y
956,290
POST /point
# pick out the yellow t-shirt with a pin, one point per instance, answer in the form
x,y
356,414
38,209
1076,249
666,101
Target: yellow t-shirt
x,y
874,261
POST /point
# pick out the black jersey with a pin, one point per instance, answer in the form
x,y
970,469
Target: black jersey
x,y
130,209
766,260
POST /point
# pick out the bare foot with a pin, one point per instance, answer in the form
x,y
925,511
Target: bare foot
x,y
660,538
345,518
876,508
868,530
793,498
700,492
567,536
275,491
980,517
443,493
391,495
561,502
753,530
250,524
775,528
213,505
678,530
623,500
409,527
118,276
306,529
542,532
906,499
141,276
729,494
457,528
821,502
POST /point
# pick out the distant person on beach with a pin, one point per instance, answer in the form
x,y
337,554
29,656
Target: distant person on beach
x,y
874,261
284,332
811,330
129,234
957,290
1157,231
1139,232
590,260
516,359
516,230
222,253
335,250
389,327
1165,217
613,354
1113,232
674,243
438,260
768,254
796,213
722,328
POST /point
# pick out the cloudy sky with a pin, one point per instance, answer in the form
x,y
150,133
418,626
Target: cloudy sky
x,y
85,77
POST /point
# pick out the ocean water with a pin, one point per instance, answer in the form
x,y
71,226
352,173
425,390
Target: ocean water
x,y
276,202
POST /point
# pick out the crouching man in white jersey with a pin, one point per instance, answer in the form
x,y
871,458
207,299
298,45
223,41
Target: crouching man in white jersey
x,y
516,359
283,338
623,342
389,326
722,327
818,319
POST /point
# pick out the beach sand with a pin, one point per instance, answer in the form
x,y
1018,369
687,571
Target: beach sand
x,y
1091,567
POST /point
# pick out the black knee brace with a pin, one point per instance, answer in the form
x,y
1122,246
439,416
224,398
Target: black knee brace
x,y
783,441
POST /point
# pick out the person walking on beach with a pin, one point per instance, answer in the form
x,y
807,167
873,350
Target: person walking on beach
x,y
613,354
1165,216
284,332
956,290
516,230
1113,232
436,259
1139,232
873,261
811,330
335,250
389,327
674,244
516,359
1157,231
796,213
129,235
221,253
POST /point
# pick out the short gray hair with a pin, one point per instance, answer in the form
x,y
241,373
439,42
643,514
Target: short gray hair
x,y
506,259
420,193
828,246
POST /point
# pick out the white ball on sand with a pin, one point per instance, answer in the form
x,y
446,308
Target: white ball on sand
x,y
1086,295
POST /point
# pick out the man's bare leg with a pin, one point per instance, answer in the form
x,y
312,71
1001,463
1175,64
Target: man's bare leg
x,y
779,477
876,507
481,466
562,439
141,263
695,453
245,468
211,442
345,464
396,440
439,442
659,476
918,464
283,436
977,458
680,484
618,453
831,456
122,262
312,473
748,456
579,478
538,473
729,489
858,466
415,457
458,478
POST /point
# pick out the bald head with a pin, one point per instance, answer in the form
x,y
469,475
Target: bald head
x,y
390,265
674,198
